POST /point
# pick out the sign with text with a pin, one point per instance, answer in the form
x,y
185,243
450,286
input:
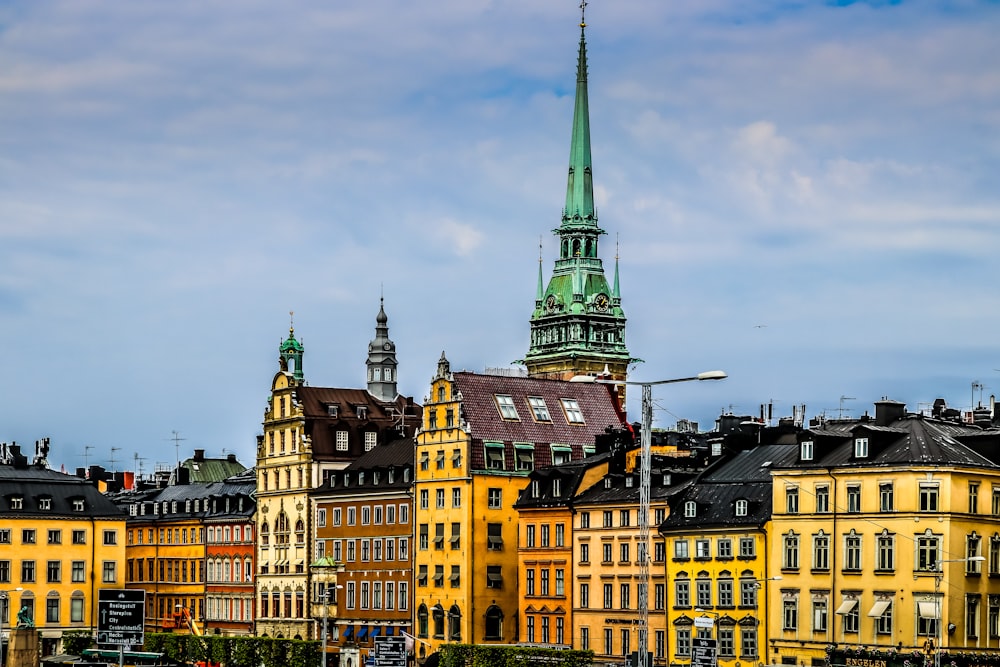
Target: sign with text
x,y
703,652
120,616
390,652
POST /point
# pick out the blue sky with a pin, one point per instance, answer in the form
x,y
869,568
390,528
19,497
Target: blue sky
x,y
804,195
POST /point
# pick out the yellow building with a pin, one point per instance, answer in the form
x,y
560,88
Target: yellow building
x,y
61,541
886,533
481,437
717,561
309,434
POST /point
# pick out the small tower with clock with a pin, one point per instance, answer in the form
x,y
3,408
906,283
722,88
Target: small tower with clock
x,y
578,325
382,360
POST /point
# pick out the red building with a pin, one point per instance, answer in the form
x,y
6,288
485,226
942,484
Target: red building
x,y
229,556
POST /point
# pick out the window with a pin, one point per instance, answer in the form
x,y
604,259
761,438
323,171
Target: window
x,y
423,537
703,592
885,552
109,572
425,501
854,498
748,592
623,555
54,572
726,642
438,576
725,590
682,593
806,450
608,596
77,572
885,499
606,547
370,440
341,441
928,497
456,497
494,456
822,499
28,571
539,409
494,536
973,497
572,410
681,549
748,547
584,519
584,553
525,456
421,576
790,551
76,610
702,549
560,535
683,641
494,498
792,500
52,609
28,536
507,408
608,522
821,551
439,459
561,454
659,552
494,576
883,622
861,448
690,509
456,535
790,613
748,639
545,535
852,551
819,614
972,551
971,616
438,499
927,552
848,609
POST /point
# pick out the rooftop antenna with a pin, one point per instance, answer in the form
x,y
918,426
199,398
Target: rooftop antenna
x,y
976,384
113,459
840,410
138,464
177,443
86,455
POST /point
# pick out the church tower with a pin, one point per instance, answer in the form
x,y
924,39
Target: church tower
x,y
382,360
290,354
578,325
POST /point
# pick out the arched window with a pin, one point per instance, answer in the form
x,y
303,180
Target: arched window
x,y
438,614
265,534
211,570
494,623
300,532
282,533
454,623
225,570
422,620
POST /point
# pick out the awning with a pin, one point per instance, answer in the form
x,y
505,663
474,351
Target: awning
x,y
376,631
362,632
493,577
847,606
928,610
879,608
390,631
348,631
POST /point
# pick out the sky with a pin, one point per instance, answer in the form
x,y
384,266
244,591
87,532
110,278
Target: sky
x,y
802,194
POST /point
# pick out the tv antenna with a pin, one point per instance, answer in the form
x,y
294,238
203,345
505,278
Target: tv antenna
x,y
86,455
113,460
177,446
840,410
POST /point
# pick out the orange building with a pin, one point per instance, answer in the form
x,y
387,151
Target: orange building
x,y
229,552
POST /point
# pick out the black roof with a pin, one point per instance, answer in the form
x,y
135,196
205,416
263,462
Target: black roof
x,y
398,455
34,488
570,476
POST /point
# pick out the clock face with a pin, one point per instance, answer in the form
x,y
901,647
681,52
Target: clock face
x,y
550,303
602,302
387,346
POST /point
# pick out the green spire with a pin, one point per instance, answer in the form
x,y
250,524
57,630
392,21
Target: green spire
x,y
290,352
580,185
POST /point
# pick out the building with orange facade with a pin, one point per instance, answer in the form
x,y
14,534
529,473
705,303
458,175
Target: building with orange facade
x,y
229,553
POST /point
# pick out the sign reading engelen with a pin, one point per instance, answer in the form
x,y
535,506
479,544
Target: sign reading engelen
x,y
120,616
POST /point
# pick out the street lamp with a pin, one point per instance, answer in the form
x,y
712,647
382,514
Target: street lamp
x,y
644,466
329,568
5,609
938,577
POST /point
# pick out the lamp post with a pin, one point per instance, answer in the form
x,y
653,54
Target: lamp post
x,y
759,584
5,609
938,577
644,466
328,567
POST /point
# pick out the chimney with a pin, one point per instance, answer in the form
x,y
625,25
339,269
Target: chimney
x,y
887,411
231,458
183,475
199,455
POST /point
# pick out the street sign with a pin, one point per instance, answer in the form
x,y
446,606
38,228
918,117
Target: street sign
x,y
703,652
704,622
390,652
120,616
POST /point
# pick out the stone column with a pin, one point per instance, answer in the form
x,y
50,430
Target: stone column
x,y
24,648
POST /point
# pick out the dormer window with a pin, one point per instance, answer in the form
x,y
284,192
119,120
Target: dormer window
x,y
362,412
17,503
607,482
573,413
45,503
392,475
556,487
506,406
690,509
629,481
78,505
332,409
539,409
741,507
361,478
375,478
535,489
861,448
666,479
806,450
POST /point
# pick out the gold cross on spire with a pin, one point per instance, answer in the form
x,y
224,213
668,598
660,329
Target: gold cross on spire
x,y
583,13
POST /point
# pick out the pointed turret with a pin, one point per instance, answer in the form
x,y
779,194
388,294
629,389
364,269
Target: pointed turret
x,y
290,353
578,326
382,359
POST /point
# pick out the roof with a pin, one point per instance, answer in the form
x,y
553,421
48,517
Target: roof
x,y
480,412
35,485
369,474
570,476
212,470
381,416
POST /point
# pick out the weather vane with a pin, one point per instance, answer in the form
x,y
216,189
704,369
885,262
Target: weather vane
x,y
583,13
